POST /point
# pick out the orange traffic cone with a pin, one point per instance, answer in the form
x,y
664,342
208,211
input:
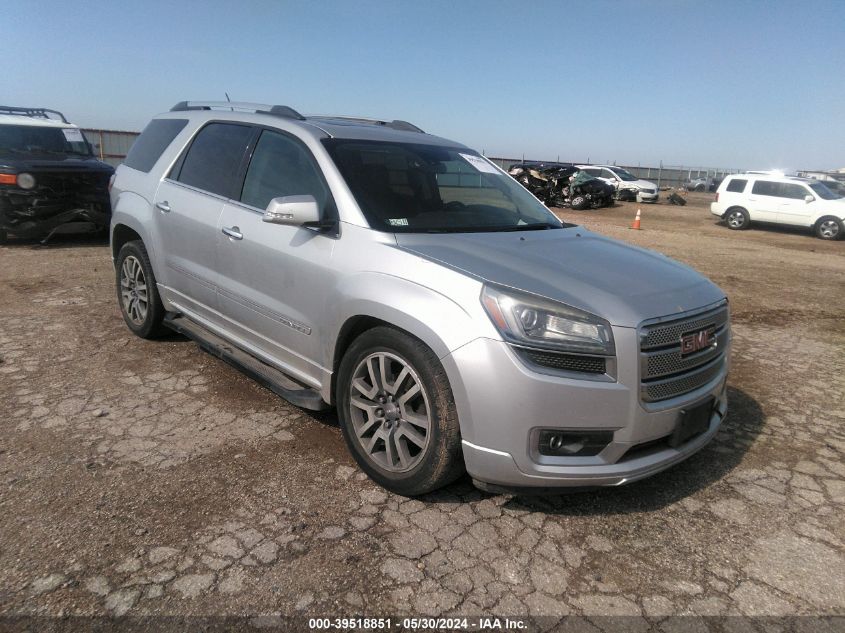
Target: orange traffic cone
x,y
636,224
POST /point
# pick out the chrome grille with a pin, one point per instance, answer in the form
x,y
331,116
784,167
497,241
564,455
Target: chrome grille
x,y
666,373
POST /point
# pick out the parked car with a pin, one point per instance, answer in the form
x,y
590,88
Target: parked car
x,y
451,318
759,197
563,185
703,183
628,186
50,180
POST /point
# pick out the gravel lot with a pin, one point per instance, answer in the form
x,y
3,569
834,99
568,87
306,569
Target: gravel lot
x,y
148,478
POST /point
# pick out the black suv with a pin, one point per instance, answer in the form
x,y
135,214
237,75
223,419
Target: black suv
x,y
49,177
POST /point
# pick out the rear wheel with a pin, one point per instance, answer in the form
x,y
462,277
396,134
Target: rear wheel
x,y
737,219
137,294
829,228
397,413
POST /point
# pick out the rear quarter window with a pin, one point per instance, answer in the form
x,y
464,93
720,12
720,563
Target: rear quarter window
x,y
155,138
736,185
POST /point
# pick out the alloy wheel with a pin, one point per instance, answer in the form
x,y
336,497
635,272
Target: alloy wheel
x,y
133,290
829,229
390,412
736,219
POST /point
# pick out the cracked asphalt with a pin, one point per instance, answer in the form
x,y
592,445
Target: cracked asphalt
x,y
148,478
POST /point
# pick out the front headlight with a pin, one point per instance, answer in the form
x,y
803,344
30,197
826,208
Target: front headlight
x,y
526,319
26,181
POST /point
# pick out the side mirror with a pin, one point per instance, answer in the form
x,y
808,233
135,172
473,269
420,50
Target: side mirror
x,y
292,211
808,198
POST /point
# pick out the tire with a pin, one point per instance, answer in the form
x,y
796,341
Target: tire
x,y
137,293
829,228
398,454
737,218
699,188
579,203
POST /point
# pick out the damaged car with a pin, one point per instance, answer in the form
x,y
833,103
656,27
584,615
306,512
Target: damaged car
x,y
563,185
50,180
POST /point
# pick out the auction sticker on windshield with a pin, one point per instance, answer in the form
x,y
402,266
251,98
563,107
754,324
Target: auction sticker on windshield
x,y
72,135
479,163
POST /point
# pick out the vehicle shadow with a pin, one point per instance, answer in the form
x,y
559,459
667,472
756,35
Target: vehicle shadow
x,y
743,424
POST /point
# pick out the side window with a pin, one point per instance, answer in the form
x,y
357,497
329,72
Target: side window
x,y
795,192
766,188
155,138
281,166
213,159
606,173
593,171
736,185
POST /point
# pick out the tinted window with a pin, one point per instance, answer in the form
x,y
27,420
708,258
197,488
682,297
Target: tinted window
x,y
606,173
214,157
593,171
796,192
766,188
280,166
155,138
736,185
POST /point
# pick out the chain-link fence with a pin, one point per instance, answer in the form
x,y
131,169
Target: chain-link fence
x,y
665,176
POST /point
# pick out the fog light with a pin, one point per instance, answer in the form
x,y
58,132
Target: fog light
x,y
573,443
26,181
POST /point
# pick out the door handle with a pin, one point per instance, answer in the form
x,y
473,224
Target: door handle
x,y
233,232
164,206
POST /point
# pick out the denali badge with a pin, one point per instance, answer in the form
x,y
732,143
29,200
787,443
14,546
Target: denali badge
x,y
698,340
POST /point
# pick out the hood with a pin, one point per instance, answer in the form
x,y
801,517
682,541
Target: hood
x,y
621,283
642,184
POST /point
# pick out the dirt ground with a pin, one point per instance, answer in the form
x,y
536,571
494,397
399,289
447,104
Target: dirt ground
x,y
148,478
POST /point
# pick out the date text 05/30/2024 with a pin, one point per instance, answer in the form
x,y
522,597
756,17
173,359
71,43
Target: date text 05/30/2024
x,y
416,624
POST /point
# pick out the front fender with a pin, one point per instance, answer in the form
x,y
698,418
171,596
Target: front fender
x,y
440,322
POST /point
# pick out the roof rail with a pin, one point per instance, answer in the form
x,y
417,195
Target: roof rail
x,y
396,124
40,113
259,108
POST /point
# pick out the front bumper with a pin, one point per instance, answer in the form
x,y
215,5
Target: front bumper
x,y
502,405
647,197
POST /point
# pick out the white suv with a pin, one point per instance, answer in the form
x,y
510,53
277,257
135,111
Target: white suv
x,y
628,186
745,198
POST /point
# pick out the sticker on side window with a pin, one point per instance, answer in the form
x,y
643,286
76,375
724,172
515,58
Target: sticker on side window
x,y
72,135
479,163
397,221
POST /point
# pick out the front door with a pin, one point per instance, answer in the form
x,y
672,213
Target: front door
x,y
794,208
275,280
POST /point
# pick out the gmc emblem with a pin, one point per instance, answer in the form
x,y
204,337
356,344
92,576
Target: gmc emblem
x,y
698,340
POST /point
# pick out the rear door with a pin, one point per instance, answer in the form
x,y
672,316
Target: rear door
x,y
276,281
188,204
764,201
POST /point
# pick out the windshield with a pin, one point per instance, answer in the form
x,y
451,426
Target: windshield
x,y
624,175
411,188
823,192
31,139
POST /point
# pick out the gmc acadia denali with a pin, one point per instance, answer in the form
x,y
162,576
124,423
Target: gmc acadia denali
x,y
456,323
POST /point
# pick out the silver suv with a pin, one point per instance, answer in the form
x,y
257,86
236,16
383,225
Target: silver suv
x,y
454,322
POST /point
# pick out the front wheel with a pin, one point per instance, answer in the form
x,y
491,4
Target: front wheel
x,y
137,294
397,413
829,228
737,219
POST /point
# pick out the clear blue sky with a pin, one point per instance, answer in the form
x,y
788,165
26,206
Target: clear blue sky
x,y
723,84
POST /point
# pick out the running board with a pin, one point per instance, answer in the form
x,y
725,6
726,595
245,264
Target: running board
x,y
269,377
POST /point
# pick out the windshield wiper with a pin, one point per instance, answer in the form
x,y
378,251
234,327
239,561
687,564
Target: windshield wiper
x,y
535,226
